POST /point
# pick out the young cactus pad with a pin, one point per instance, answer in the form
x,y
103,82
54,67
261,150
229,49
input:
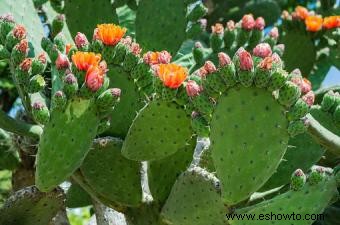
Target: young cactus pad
x,y
111,175
29,206
310,199
65,142
159,130
195,199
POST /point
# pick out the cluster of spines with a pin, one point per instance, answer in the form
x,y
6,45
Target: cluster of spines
x,y
246,33
27,72
316,175
263,69
331,104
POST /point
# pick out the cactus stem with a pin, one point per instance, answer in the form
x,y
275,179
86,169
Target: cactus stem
x,y
18,127
323,136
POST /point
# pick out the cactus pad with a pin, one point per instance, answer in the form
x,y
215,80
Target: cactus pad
x,y
129,104
194,199
65,143
248,139
111,175
159,28
28,206
311,199
84,15
163,173
159,130
25,14
76,197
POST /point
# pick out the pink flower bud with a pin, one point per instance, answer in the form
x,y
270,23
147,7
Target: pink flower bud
x,y
23,46
26,65
266,63
19,32
94,78
116,92
217,28
285,15
42,58
248,22
299,173
81,40
70,79
246,61
203,23
296,72
7,17
231,25
281,47
209,67
95,35
194,114
262,50
38,105
126,41
260,23
164,57
309,98
192,88
223,59
62,62
202,72
135,48
274,33
103,66
306,86
276,58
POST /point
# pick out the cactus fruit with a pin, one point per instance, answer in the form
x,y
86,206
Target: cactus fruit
x,y
30,206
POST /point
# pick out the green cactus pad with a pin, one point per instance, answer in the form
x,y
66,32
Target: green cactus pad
x,y
158,27
195,199
129,104
206,161
8,159
299,52
163,173
159,130
111,175
146,214
302,152
65,143
248,139
25,14
325,119
84,15
28,206
76,197
311,199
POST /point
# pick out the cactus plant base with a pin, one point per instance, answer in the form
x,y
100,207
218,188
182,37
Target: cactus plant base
x,y
111,175
128,106
249,137
31,207
159,130
65,142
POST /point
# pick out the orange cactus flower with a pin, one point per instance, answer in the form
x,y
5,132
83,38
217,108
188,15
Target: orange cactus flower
x,y
84,60
94,78
172,75
331,22
313,23
110,34
301,12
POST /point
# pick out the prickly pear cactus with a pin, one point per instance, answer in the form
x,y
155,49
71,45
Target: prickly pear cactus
x,y
231,113
30,206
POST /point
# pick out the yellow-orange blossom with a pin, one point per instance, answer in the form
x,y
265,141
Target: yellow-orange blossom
x,y
110,34
172,75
